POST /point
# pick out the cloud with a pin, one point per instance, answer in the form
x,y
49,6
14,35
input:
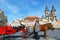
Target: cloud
x,y
10,6
14,10
34,2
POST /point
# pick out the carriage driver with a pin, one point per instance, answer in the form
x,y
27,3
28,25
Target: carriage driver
x,y
36,28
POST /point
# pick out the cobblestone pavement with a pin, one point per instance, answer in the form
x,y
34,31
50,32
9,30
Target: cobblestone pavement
x,y
51,35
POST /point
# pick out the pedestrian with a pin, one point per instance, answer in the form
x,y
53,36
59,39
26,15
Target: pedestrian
x,y
36,29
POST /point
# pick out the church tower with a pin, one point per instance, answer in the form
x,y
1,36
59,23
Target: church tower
x,y
3,18
50,15
53,12
46,13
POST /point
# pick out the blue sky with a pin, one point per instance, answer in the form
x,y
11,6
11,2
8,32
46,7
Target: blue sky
x,y
19,9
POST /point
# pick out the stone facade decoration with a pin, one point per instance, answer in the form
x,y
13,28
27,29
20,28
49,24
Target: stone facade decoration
x,y
3,18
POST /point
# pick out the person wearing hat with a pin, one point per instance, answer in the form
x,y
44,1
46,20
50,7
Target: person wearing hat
x,y
36,28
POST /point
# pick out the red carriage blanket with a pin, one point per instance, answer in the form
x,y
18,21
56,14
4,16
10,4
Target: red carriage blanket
x,y
7,30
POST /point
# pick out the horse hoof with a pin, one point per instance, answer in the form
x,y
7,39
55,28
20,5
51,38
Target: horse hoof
x,y
44,37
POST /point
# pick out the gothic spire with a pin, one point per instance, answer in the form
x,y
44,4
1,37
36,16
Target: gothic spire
x,y
46,9
53,9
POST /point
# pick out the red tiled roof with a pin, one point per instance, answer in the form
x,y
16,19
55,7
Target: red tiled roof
x,y
31,18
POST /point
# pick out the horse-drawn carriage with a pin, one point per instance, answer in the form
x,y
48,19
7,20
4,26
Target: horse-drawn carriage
x,y
6,30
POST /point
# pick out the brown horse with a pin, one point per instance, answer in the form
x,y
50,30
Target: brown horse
x,y
44,28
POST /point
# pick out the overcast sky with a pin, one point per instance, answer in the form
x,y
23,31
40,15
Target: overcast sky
x,y
19,9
